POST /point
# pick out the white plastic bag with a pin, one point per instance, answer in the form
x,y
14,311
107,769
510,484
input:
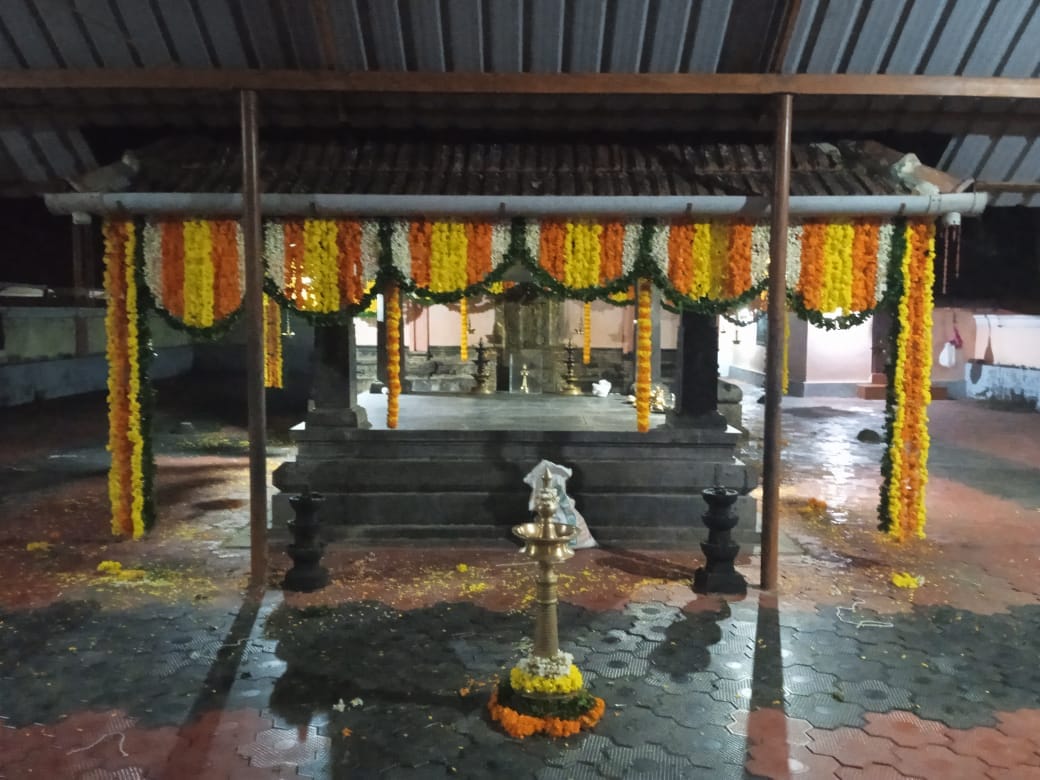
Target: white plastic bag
x,y
948,355
566,512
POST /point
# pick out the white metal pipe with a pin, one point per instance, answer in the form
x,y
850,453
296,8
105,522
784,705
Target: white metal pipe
x,y
338,205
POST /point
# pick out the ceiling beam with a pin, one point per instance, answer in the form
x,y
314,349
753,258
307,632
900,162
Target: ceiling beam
x,y
865,85
783,38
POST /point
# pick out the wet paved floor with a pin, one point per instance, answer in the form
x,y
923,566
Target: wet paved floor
x,y
182,673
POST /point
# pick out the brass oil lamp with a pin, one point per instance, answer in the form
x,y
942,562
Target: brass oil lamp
x,y
548,543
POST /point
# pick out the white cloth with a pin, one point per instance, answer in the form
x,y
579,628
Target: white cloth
x,y
566,512
601,389
948,355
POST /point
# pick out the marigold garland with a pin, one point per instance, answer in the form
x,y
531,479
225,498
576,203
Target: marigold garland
x,y
811,283
521,726
785,371
124,345
586,333
464,328
393,352
904,489
272,343
643,350
172,250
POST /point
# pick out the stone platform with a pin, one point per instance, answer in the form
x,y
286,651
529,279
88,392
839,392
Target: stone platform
x,y
454,469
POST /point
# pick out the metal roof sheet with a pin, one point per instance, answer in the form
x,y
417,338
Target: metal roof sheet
x,y
952,37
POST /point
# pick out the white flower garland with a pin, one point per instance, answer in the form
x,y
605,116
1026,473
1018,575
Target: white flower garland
x,y
400,251
759,253
533,239
370,251
884,245
659,235
557,666
151,247
794,255
274,253
500,235
630,247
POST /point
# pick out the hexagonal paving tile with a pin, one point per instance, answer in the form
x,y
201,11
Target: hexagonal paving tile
x,y
937,761
852,747
803,680
875,695
825,712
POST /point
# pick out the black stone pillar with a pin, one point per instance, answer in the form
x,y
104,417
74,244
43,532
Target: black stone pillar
x,y
334,388
697,375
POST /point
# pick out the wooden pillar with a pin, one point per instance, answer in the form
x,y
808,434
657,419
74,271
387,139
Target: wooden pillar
x,y
80,287
776,315
254,310
697,377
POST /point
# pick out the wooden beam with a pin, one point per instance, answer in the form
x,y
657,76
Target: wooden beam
x,y
1022,187
777,316
796,84
783,38
254,309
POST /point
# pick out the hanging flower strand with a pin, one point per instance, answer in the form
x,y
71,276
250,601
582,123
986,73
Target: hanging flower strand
x,y
643,350
464,327
586,332
393,352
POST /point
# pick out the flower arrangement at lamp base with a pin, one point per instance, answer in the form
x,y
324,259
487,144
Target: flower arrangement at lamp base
x,y
545,695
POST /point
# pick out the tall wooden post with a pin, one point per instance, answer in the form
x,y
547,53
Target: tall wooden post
x,y
254,304
80,294
776,314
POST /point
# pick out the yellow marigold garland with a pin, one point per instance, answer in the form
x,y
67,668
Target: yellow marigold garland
x,y
198,274
393,352
521,680
586,333
464,327
272,343
700,261
785,373
908,453
643,350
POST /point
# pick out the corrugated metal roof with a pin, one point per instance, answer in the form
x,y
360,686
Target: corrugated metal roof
x,y
380,166
952,37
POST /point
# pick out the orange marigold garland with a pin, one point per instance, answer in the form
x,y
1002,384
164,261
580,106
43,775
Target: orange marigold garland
x,y
612,248
519,726
393,353
865,268
643,350
811,282
738,268
348,242
172,249
272,343
680,256
227,296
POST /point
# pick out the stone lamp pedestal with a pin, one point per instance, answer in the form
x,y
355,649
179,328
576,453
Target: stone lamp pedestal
x,y
307,573
718,574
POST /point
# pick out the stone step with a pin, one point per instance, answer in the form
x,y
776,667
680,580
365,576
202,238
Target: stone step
x,y
630,515
474,472
872,392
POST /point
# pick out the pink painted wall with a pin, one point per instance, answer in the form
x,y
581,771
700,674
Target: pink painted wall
x,y
838,355
1006,339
